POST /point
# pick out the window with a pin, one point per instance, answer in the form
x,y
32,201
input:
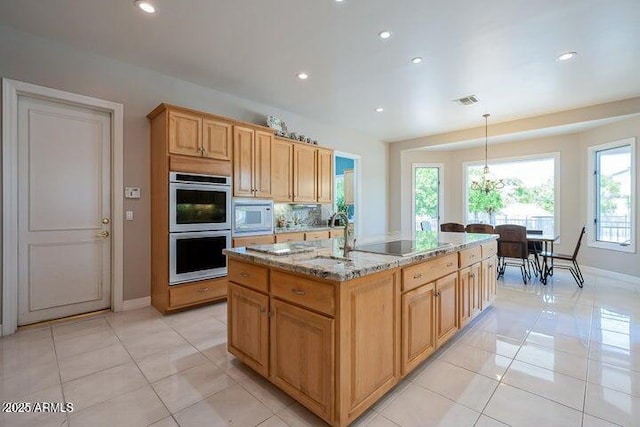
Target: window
x,y
426,196
611,189
529,196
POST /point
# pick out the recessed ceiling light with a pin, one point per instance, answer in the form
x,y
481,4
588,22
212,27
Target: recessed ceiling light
x,y
566,56
416,60
145,6
379,110
339,1
303,76
384,34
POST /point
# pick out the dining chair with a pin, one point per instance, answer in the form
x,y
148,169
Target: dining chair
x,y
535,249
452,226
512,246
573,266
480,228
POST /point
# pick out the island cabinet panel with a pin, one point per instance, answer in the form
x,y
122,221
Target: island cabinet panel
x,y
303,355
307,293
369,341
419,274
470,256
248,327
446,308
488,282
249,275
418,329
469,295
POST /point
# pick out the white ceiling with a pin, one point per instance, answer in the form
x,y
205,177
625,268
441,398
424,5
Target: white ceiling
x,y
503,51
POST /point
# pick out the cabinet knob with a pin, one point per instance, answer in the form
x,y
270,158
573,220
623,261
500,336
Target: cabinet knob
x,y
437,294
449,264
202,290
298,292
417,276
245,274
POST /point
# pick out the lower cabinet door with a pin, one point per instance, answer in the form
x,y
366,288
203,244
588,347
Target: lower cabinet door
x,y
488,284
446,308
418,333
248,327
302,356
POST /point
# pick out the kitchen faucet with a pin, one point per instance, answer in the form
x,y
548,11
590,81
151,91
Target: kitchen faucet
x,y
346,249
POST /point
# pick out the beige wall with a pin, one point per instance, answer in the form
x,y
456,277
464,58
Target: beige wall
x,y
39,61
572,149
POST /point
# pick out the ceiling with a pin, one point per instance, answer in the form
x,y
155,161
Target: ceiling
x,y
503,51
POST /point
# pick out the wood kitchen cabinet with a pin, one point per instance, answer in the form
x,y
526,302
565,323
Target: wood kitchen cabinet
x,y
196,135
469,294
446,292
282,170
489,280
248,327
182,140
325,175
418,326
251,162
305,188
302,355
267,239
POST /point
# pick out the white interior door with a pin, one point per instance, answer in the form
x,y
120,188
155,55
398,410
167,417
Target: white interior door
x,y
64,213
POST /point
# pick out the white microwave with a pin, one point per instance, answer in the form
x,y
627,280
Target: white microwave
x,y
252,217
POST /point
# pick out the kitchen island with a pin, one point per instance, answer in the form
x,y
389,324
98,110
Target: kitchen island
x,y
337,333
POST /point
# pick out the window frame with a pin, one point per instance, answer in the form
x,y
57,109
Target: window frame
x,y
513,159
592,197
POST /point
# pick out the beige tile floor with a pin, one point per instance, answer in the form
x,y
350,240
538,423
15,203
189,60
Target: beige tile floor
x,y
541,356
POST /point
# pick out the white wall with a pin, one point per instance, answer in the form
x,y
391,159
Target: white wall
x,y
39,61
572,185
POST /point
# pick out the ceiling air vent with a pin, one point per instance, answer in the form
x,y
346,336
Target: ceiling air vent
x,y
467,100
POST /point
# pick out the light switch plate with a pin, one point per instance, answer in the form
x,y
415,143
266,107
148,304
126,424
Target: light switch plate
x,y
131,192
129,215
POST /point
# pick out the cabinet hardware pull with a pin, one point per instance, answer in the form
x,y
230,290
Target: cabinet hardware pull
x,y
298,292
262,310
201,290
437,294
245,275
450,264
417,276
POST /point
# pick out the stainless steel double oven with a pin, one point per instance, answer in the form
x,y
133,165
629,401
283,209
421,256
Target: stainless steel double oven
x,y
199,226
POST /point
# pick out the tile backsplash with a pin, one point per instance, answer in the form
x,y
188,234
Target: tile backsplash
x,y
288,215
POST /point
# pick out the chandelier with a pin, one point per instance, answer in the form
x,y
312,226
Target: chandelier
x,y
486,184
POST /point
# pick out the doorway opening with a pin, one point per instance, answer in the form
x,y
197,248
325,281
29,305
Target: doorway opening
x,y
346,192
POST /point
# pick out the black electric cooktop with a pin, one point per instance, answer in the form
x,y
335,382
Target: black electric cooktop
x,y
396,247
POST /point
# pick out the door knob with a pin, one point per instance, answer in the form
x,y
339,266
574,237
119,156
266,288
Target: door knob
x,y
106,220
104,234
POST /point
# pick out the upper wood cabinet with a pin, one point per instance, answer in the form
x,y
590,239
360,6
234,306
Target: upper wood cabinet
x,y
192,134
325,175
216,139
349,191
282,170
305,187
251,162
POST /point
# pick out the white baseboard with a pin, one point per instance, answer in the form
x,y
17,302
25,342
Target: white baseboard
x,y
133,304
611,274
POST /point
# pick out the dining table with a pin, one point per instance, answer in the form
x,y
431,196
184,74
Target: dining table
x,y
546,268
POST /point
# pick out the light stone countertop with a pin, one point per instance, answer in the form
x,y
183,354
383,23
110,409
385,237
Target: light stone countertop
x,y
303,228
323,258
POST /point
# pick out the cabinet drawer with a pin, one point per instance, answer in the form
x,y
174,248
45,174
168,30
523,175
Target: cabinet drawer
x,y
253,240
489,249
428,271
308,293
336,233
470,256
249,275
289,237
314,235
183,295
